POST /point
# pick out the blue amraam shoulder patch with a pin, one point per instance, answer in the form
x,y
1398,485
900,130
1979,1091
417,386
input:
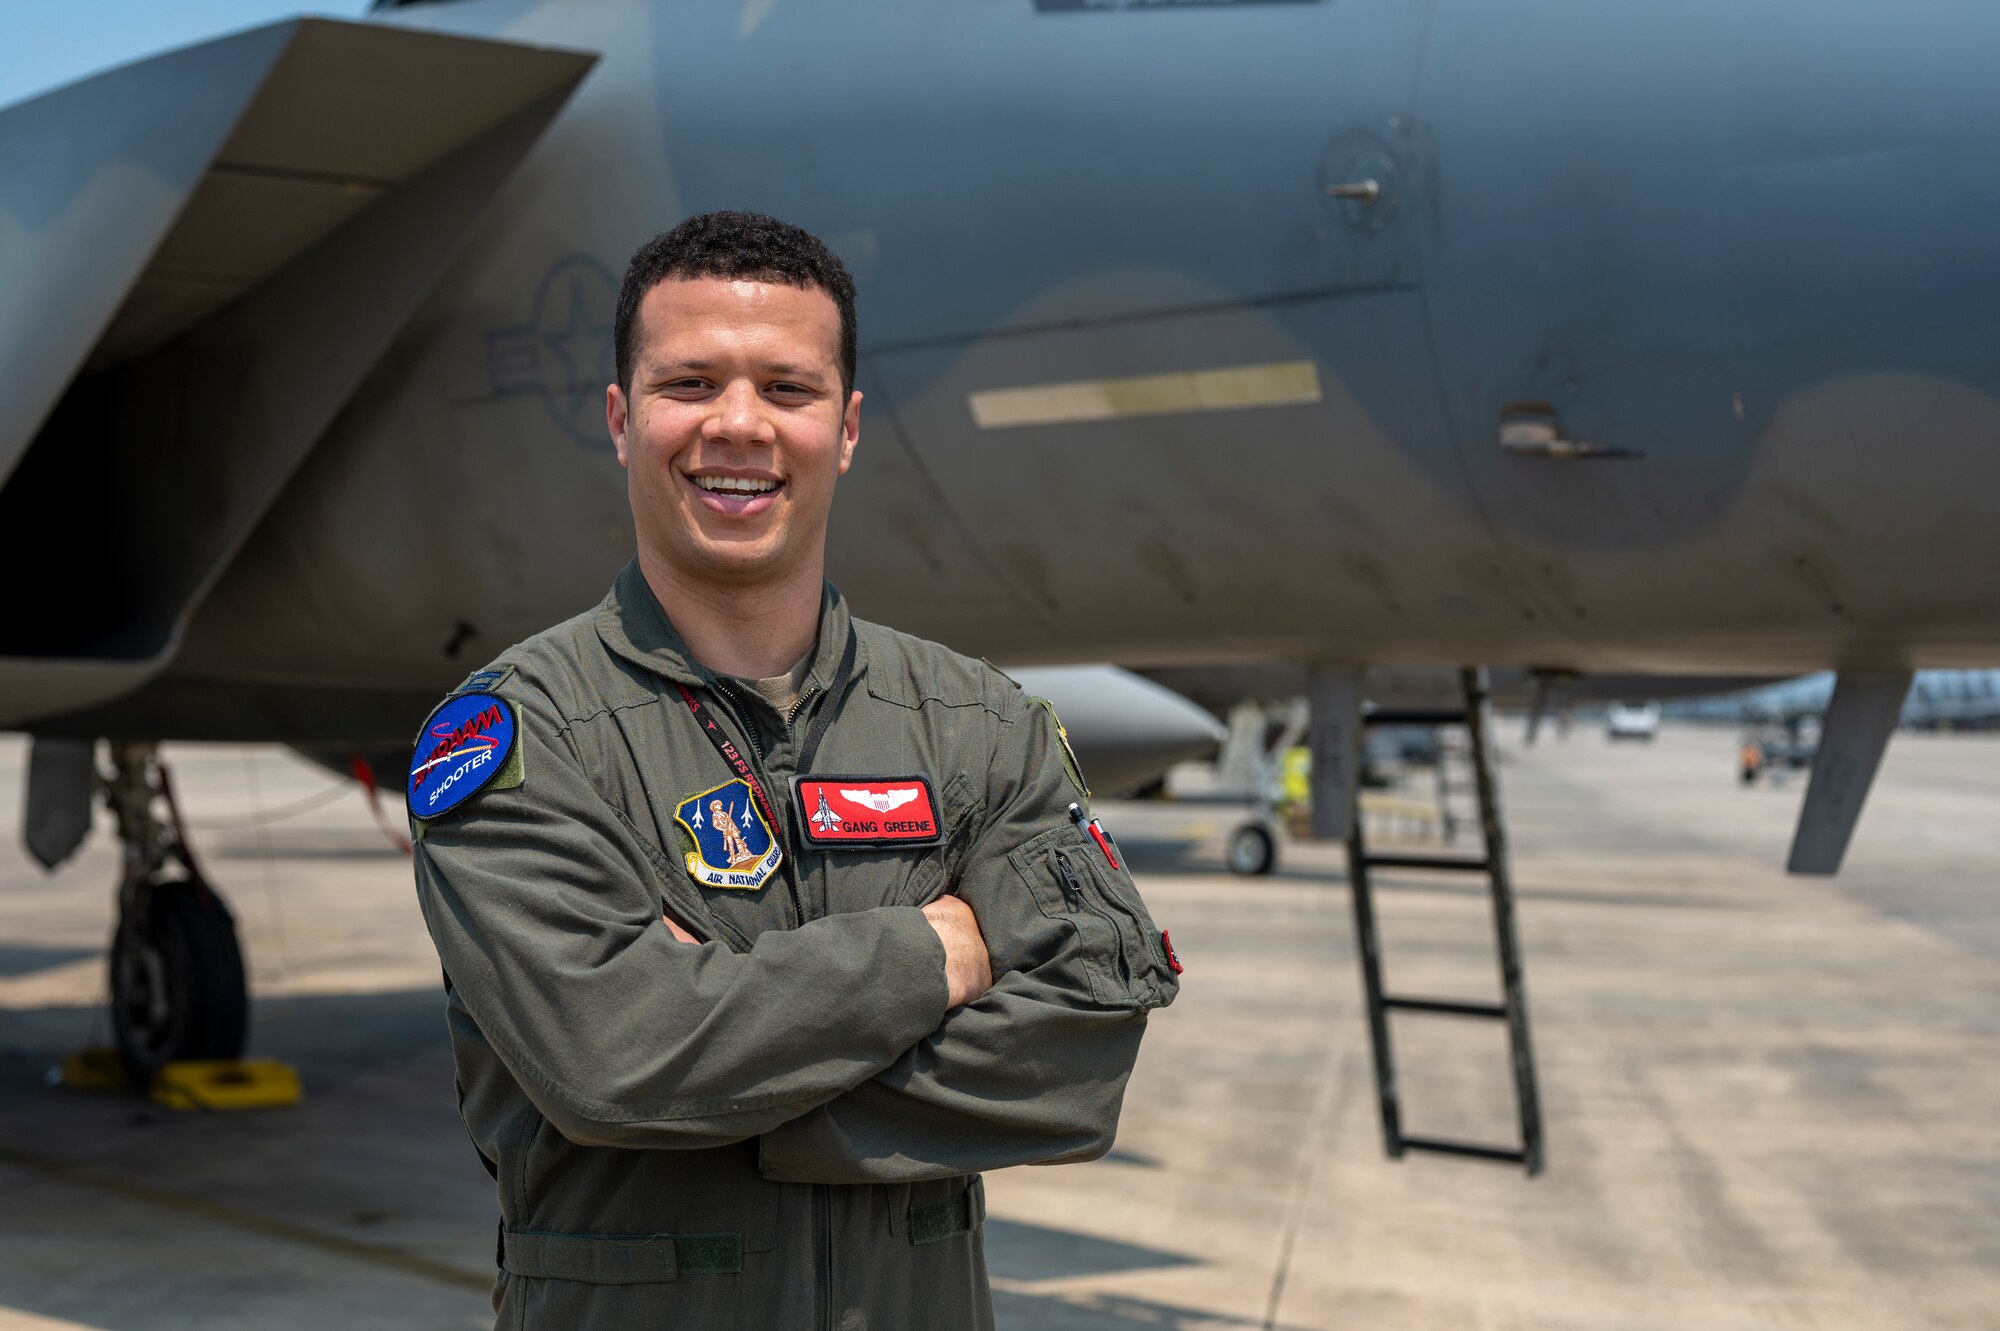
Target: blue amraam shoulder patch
x,y
464,745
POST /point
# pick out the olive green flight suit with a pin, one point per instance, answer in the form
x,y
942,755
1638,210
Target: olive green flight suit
x,y
780,1127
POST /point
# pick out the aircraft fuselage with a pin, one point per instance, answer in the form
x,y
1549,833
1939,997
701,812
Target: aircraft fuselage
x,y
1637,338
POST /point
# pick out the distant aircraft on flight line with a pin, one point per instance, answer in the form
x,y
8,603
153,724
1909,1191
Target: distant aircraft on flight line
x,y
1937,700
1582,337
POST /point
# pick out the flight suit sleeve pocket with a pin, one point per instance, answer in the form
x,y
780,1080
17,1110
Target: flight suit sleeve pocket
x,y
1110,936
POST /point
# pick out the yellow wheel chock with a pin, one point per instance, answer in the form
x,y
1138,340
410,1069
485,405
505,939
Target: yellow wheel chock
x,y
248,1083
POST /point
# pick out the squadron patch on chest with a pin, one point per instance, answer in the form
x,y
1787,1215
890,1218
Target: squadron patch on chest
x,y
734,846
866,811
466,743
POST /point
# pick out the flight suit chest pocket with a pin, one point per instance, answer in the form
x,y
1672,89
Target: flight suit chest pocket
x,y
888,876
1115,944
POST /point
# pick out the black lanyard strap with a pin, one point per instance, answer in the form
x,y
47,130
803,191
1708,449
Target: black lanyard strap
x,y
814,733
824,716
731,755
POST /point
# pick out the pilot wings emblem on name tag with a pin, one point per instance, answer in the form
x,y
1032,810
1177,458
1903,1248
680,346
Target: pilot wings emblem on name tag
x,y
867,811
734,847
883,801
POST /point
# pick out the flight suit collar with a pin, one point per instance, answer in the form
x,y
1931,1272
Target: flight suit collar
x,y
633,625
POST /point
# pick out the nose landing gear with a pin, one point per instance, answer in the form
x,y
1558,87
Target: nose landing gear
x,y
1251,759
1253,848
177,983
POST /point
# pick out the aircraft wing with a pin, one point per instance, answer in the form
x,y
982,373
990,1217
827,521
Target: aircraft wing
x,y
203,253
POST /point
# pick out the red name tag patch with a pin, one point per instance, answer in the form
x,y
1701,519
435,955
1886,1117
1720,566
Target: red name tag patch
x,y
867,811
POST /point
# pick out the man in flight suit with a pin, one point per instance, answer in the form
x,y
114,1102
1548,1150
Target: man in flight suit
x,y
750,1078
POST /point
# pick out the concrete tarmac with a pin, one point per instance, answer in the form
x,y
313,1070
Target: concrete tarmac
x,y
1771,1102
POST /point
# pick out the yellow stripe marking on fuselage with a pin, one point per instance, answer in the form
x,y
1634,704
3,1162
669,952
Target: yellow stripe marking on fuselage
x,y
1279,384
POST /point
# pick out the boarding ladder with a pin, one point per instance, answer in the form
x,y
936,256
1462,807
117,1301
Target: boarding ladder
x,y
1362,865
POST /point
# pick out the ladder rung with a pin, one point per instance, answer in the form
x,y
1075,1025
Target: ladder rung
x,y
1414,716
1458,863
1447,1006
1442,1147
1456,758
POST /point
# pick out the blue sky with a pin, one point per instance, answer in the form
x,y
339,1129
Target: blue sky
x,y
47,43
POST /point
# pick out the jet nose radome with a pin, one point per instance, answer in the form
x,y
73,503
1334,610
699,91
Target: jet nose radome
x,y
1127,731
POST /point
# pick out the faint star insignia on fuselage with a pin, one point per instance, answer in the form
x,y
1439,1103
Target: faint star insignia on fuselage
x,y
563,354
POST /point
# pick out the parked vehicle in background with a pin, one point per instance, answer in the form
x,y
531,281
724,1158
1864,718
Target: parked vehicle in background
x,y
1624,720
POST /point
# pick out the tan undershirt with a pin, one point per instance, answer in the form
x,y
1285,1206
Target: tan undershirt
x,y
782,691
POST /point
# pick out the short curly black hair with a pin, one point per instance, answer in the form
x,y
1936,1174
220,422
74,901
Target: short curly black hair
x,y
735,245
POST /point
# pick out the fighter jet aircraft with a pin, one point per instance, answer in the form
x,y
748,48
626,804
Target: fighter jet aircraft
x,y
1635,338
1938,700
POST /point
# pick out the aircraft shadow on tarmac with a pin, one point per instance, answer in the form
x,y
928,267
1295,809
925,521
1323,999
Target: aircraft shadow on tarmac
x,y
17,959
338,1039
1568,896
1170,857
331,1037
1018,1250
343,850
1111,1313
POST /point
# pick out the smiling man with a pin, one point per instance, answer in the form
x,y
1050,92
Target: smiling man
x,y
765,929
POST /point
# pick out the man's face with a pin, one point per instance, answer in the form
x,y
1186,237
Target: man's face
x,y
735,427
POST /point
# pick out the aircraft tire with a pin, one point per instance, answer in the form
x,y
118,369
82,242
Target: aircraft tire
x,y
1252,850
177,986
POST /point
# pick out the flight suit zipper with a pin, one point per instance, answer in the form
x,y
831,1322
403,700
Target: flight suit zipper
x,y
822,1217
822,1205
798,705
822,1195
793,887
1072,888
749,731
792,714
736,704
1106,906
800,897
